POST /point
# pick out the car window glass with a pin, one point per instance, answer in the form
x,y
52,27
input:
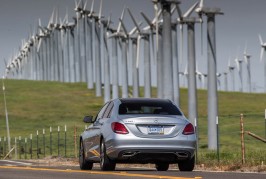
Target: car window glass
x,y
108,110
101,113
149,108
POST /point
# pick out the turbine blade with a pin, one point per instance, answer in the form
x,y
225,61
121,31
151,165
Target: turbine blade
x,y
133,19
5,62
138,51
146,19
100,10
201,4
76,4
179,12
92,6
159,13
122,17
109,21
79,3
173,10
51,19
39,45
85,5
133,31
123,26
191,9
245,50
261,41
186,70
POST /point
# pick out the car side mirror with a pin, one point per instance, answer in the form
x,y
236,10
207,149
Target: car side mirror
x,y
88,119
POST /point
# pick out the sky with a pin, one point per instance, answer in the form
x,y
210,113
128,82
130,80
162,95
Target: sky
x,y
241,23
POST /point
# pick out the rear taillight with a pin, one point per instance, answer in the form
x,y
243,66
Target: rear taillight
x,y
189,129
119,128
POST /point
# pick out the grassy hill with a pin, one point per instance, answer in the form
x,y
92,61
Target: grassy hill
x,y
35,105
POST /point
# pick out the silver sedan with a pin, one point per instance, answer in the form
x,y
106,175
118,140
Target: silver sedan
x,y
138,130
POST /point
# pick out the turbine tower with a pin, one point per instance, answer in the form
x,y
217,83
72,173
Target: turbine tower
x,y
192,87
212,78
231,69
263,49
247,57
239,68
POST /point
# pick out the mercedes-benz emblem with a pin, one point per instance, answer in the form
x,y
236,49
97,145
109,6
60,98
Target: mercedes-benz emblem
x,y
156,121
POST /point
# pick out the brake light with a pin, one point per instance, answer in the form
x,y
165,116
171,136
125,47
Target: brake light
x,y
189,129
119,128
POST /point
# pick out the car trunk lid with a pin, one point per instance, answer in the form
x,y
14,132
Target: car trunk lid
x,y
162,126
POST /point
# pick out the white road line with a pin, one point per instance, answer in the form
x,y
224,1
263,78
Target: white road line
x,y
16,162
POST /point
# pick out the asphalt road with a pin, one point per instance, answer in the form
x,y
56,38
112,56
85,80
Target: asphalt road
x,y
27,170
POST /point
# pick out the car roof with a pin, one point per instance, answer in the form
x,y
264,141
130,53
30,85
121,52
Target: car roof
x,y
141,100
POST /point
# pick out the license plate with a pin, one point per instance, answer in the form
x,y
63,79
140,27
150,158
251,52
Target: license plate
x,y
155,130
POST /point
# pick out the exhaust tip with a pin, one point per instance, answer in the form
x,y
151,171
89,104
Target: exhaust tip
x,y
182,155
129,154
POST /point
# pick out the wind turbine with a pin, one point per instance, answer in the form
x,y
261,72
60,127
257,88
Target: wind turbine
x,y
263,49
147,66
239,68
70,26
212,70
231,69
116,41
78,58
225,81
105,54
167,70
247,57
192,86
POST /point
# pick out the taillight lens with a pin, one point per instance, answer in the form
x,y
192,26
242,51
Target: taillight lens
x,y
119,128
189,129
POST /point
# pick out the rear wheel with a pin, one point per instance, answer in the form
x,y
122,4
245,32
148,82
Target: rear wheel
x,y
83,164
187,165
105,163
162,166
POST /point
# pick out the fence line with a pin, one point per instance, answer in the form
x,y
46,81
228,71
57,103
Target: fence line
x,y
64,143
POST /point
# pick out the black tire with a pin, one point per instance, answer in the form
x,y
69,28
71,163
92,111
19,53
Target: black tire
x,y
162,166
83,164
187,165
105,163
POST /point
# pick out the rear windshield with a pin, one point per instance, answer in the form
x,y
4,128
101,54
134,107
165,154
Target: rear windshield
x,y
148,108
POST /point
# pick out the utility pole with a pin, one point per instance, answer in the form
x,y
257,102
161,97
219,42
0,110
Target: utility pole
x,y
7,123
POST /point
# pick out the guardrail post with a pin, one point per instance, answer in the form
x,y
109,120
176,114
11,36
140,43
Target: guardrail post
x,y
242,138
16,150
37,144
30,146
51,141
65,139
265,123
19,146
218,137
25,150
58,140
4,146
43,137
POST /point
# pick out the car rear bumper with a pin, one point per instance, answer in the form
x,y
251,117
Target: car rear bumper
x,y
147,150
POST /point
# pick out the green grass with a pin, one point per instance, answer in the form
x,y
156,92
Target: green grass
x,y
35,105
